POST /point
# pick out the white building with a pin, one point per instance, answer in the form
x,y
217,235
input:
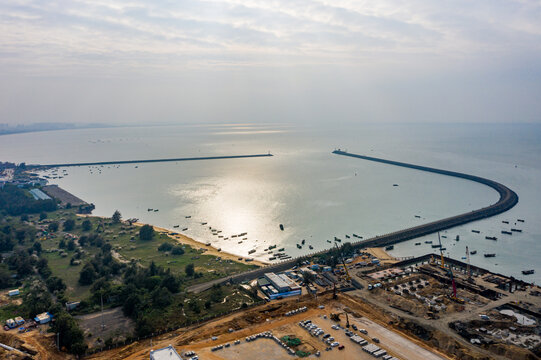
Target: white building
x,y
167,353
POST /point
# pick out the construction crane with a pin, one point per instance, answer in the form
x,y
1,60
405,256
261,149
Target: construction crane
x,y
468,268
453,295
441,252
348,278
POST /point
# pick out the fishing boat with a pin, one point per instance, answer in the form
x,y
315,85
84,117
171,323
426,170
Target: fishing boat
x,y
507,232
251,251
443,249
348,237
203,223
417,244
491,238
390,247
303,241
149,209
273,247
176,226
272,258
184,229
457,238
395,184
282,227
240,242
520,220
505,222
310,247
417,216
156,210
516,230
188,217
476,231
436,246
473,252
281,249
444,236
428,242
329,241
490,255
299,247
528,272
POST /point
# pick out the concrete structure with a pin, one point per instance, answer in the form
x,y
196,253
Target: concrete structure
x,y
277,282
167,353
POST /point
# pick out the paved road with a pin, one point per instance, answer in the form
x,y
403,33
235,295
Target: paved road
x,y
508,199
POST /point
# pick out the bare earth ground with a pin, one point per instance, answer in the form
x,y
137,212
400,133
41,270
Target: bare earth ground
x,y
270,317
115,323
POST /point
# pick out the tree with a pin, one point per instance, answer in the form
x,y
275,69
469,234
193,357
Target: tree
x,y
86,225
43,215
189,270
62,244
20,235
69,333
71,245
117,217
69,225
177,250
146,233
53,227
37,247
165,247
87,275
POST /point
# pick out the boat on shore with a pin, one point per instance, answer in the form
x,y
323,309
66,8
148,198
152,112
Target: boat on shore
x,y
310,247
490,255
528,272
281,249
299,247
176,226
184,229
251,251
188,217
491,238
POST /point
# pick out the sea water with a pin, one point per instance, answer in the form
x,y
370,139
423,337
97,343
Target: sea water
x,y
315,194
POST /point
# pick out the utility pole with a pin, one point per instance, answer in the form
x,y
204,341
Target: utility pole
x,y
102,323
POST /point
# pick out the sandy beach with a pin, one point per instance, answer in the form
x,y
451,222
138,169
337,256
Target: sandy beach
x,y
183,239
210,250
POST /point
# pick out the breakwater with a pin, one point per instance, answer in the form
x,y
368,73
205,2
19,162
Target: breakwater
x,y
121,162
508,199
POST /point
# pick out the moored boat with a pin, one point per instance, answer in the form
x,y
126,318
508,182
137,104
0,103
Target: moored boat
x,y
490,255
528,272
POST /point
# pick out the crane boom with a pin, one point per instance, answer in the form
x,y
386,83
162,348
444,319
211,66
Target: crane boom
x,y
343,262
441,252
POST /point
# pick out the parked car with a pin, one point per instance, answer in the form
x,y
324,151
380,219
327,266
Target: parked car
x,y
341,347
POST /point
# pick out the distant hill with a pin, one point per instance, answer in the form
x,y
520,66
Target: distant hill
x,y
6,129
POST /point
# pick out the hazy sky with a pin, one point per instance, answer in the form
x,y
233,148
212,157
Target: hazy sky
x,y
270,61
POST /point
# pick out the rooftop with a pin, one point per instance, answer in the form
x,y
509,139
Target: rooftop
x,y
167,353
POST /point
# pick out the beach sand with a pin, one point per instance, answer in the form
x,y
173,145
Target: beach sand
x,y
183,239
382,255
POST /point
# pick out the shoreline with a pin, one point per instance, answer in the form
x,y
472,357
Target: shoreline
x,y
186,240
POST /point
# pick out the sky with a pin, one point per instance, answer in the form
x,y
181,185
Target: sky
x,y
178,61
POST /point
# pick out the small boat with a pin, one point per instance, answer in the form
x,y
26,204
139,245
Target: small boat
x,y
251,251
491,238
473,252
310,247
176,226
443,249
390,247
203,223
520,220
348,237
329,241
417,244
395,184
299,247
476,231
303,241
490,255
457,238
436,246
187,217
516,230
240,242
273,247
507,232
272,258
233,236
444,236
156,210
417,216
428,242
184,229
208,244
463,258
282,227
528,272
281,249
149,209
505,222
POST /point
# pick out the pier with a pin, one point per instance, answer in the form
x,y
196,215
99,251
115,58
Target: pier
x,y
508,199
122,162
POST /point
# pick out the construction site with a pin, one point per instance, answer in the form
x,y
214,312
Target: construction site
x,y
428,307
